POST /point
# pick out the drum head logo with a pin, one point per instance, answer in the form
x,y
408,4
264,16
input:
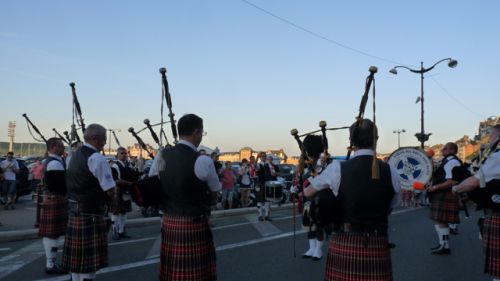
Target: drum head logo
x,y
412,165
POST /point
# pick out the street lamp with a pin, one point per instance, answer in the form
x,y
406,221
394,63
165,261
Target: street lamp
x,y
422,136
399,131
109,139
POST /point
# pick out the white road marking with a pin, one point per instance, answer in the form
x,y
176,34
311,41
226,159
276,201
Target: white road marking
x,y
154,259
4,249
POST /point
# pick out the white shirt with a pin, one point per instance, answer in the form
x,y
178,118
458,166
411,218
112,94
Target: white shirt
x,y
331,177
490,168
448,167
99,167
55,165
204,168
8,171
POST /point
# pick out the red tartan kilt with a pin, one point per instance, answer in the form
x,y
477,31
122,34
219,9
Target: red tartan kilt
x,y
349,259
53,216
120,206
85,244
491,241
187,250
445,207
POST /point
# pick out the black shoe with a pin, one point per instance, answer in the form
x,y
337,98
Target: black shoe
x,y
115,235
442,251
316,259
391,245
260,218
268,219
124,235
304,256
454,231
436,247
56,269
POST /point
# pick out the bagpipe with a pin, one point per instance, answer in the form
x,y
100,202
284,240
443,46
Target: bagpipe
x,y
322,209
488,194
147,191
32,126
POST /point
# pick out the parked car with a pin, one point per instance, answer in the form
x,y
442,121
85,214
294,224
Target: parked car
x,y
287,171
23,186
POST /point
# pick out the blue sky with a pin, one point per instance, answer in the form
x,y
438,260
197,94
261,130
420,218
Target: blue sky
x,y
251,76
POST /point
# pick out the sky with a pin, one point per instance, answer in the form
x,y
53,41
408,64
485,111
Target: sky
x,y
252,69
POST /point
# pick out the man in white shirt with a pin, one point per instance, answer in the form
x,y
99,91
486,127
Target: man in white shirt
x,y
189,184
90,184
10,168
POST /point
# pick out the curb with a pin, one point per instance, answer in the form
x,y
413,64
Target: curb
x,y
26,234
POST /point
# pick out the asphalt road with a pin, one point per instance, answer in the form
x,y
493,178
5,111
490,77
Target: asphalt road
x,y
251,250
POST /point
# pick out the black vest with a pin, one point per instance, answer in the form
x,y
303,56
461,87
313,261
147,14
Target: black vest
x,y
264,173
365,202
439,176
182,192
126,172
55,180
83,187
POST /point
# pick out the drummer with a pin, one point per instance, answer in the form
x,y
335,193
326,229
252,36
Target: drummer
x,y
266,171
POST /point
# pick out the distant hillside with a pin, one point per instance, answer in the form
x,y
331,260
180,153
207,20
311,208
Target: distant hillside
x,y
24,149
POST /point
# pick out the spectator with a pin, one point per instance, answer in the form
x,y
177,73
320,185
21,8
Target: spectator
x,y
36,171
10,168
245,183
228,179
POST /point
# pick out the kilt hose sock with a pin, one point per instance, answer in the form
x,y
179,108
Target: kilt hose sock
x,y
50,247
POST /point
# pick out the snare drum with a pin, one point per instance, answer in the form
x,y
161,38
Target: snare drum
x,y
274,191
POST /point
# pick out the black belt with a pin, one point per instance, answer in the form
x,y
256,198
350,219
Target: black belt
x,y
380,230
81,208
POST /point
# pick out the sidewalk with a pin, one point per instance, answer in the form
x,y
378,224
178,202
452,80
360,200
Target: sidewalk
x,y
18,224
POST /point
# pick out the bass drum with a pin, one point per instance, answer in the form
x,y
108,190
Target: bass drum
x,y
412,165
487,197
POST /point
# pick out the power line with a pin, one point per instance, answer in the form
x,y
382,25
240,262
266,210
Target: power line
x,y
455,99
317,35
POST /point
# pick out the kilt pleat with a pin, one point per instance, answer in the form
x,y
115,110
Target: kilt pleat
x,y
53,216
445,207
120,206
491,242
187,250
85,244
357,257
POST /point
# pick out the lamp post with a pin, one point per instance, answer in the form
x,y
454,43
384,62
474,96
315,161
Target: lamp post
x,y
109,139
422,136
399,131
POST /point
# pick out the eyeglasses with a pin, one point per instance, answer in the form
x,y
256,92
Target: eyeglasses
x,y
204,133
123,153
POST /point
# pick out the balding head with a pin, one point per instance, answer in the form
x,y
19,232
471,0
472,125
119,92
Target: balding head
x,y
95,135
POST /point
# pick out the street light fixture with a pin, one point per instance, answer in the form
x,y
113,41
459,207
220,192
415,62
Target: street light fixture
x,y
109,139
399,131
422,136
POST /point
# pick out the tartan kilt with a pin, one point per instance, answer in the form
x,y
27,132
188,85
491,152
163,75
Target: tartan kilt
x,y
491,242
445,207
86,244
358,257
120,206
187,250
53,216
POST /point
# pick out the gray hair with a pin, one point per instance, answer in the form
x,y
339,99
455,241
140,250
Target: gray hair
x,y
94,130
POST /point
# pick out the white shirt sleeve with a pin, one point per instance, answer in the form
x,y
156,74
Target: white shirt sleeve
x,y
54,165
491,168
329,178
157,166
204,169
448,167
100,168
117,169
